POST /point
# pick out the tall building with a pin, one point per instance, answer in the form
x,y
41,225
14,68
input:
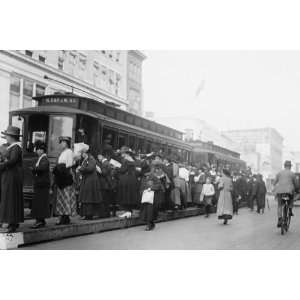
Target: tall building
x,y
196,129
100,74
263,145
134,81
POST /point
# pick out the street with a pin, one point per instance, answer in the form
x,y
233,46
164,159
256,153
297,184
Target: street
x,y
248,230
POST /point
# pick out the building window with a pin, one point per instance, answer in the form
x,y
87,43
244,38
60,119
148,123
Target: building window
x,y
73,58
118,83
110,54
60,63
82,62
39,90
42,58
103,78
118,53
27,93
96,73
28,53
111,80
15,92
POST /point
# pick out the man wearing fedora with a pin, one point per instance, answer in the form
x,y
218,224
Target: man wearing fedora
x,y
12,203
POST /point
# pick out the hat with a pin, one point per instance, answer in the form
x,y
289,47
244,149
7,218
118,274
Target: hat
x,y
65,139
125,149
12,131
287,163
156,163
80,148
40,145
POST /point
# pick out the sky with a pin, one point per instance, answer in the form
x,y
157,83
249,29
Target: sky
x,y
227,89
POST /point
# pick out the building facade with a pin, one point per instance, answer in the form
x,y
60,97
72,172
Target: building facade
x,y
264,146
134,81
197,129
99,74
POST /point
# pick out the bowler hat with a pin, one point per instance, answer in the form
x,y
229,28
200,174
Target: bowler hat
x,y
12,131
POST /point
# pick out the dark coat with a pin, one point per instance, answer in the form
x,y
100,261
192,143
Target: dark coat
x,y
62,176
41,199
149,212
261,194
12,203
90,186
127,190
41,173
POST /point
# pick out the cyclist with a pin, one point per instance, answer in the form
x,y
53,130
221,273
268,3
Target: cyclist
x,y
285,183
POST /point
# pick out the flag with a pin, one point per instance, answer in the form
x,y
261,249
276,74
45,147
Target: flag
x,y
200,88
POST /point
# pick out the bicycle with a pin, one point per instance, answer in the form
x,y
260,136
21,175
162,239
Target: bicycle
x,y
285,213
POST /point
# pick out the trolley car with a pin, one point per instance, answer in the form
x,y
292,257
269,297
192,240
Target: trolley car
x,y
67,114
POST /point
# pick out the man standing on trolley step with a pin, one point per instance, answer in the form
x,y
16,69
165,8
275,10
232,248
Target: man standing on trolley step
x,y
285,183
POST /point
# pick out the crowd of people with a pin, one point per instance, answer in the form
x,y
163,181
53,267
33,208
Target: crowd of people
x,y
113,181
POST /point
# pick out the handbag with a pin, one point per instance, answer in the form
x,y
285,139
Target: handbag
x,y
148,196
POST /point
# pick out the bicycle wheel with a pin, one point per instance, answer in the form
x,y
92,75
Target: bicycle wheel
x,y
288,220
284,219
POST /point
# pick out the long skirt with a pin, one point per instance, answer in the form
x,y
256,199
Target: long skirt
x,y
149,212
175,196
225,206
66,201
12,203
41,203
197,193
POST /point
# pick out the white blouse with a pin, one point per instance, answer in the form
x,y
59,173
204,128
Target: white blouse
x,y
66,157
208,189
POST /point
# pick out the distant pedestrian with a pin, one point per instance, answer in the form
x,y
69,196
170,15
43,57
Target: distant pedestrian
x,y
261,194
12,203
224,207
41,178
208,192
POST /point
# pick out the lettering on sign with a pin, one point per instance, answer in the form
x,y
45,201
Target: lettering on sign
x,y
60,101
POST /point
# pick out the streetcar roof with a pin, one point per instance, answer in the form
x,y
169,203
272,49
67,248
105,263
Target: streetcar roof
x,y
55,109
52,109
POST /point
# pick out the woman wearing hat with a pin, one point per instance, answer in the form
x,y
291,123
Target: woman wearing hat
x,y
149,209
41,177
90,196
63,175
127,190
12,205
225,207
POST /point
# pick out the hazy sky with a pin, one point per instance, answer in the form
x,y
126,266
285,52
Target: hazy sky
x,y
240,89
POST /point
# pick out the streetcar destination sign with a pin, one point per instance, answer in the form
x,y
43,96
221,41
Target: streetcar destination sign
x,y
60,101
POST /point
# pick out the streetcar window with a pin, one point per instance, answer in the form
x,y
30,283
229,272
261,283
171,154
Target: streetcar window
x,y
140,145
122,140
60,126
110,137
131,142
37,130
18,122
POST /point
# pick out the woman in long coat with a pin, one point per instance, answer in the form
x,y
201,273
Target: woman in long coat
x,y
261,194
127,190
41,177
90,196
225,207
64,180
12,203
149,211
